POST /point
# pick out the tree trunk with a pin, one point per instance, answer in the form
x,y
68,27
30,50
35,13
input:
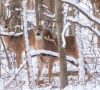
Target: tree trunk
x,y
27,48
16,14
36,12
30,5
62,54
2,9
72,26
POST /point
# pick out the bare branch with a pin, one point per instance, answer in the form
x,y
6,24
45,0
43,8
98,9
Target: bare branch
x,y
54,54
71,19
87,14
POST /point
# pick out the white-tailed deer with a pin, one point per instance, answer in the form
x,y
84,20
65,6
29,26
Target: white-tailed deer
x,y
43,41
16,43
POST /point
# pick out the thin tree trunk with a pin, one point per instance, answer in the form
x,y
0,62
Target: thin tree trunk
x,y
72,26
8,61
30,5
1,10
27,49
62,54
16,20
79,43
36,12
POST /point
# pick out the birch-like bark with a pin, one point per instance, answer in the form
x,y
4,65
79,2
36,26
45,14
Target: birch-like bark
x,y
27,49
79,43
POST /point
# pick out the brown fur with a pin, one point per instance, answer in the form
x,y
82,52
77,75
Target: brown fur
x,y
16,43
51,45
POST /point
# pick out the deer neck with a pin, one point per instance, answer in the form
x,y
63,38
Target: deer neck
x,y
39,42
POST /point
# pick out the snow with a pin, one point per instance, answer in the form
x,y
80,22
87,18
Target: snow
x,y
79,43
87,14
11,33
17,9
84,25
7,3
28,56
49,15
53,54
63,34
87,46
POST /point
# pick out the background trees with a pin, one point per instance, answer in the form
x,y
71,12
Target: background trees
x,y
80,20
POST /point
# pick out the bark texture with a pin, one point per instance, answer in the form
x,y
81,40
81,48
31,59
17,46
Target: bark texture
x,y
62,54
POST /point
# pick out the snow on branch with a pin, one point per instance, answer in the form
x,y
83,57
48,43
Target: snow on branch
x,y
87,14
55,54
75,20
45,6
49,15
63,34
11,34
6,4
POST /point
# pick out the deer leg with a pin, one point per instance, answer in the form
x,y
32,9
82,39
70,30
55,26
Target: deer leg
x,y
50,69
18,59
40,68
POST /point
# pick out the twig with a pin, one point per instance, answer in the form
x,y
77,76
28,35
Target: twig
x,y
9,64
54,54
7,86
88,15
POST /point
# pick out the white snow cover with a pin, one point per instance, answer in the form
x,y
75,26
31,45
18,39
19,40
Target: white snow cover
x,y
63,34
28,56
11,33
45,6
7,3
87,14
76,20
49,15
53,54
75,85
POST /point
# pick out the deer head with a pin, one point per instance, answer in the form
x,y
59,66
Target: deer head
x,y
41,32
6,23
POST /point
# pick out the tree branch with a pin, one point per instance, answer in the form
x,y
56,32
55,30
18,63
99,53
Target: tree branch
x,y
87,14
54,54
71,19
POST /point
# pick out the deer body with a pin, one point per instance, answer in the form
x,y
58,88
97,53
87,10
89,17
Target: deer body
x,y
16,43
46,44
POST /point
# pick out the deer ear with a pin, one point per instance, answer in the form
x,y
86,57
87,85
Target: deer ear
x,y
3,18
30,24
46,24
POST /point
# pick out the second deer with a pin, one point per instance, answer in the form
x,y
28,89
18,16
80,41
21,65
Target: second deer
x,y
16,43
43,41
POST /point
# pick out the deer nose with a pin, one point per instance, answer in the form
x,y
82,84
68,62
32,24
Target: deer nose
x,y
38,34
5,26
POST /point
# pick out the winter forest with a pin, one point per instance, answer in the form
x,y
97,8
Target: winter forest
x,y
49,45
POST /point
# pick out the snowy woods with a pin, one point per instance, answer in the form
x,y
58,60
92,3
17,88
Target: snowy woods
x,y
49,44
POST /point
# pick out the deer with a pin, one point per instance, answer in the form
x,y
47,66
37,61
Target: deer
x,y
44,40
15,43
17,46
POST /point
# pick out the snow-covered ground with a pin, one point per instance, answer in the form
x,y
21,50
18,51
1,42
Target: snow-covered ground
x,y
16,79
